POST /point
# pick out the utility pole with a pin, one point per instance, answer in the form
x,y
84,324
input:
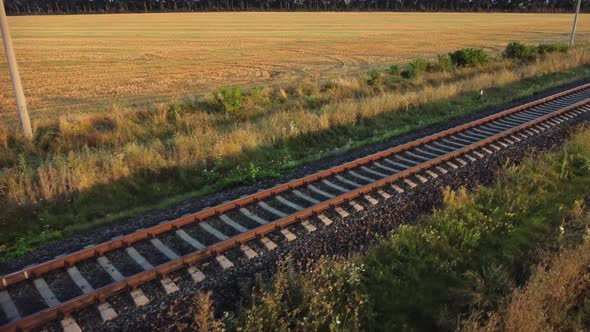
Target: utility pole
x,y
575,23
19,95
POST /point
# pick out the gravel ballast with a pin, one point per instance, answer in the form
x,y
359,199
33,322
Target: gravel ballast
x,y
152,218
231,289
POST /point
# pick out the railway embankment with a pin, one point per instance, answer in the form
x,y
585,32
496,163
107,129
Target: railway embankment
x,y
492,224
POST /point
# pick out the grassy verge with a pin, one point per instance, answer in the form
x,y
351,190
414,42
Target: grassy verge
x,y
86,171
555,299
465,257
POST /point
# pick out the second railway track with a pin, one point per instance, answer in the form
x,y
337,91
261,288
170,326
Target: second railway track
x,y
256,223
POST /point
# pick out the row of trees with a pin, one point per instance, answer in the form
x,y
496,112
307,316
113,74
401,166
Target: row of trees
x,y
28,7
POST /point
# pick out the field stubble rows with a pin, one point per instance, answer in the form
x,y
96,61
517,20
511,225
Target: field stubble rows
x,y
73,64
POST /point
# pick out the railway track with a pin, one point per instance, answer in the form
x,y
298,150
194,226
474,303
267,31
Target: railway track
x,y
233,232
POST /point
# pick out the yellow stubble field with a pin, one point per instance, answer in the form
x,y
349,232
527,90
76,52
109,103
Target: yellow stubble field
x,y
84,64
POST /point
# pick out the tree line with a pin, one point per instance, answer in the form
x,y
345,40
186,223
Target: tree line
x,y
41,7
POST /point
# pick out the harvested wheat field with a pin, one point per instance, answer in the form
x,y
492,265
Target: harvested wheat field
x,y
73,64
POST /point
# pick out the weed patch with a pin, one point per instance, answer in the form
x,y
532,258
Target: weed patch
x,y
469,57
528,53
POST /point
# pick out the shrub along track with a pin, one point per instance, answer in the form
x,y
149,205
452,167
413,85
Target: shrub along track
x,y
170,257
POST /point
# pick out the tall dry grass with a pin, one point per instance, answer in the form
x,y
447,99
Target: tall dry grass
x,y
551,300
346,112
77,152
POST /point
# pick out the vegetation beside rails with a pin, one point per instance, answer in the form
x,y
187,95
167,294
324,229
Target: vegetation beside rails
x,y
555,299
84,171
461,261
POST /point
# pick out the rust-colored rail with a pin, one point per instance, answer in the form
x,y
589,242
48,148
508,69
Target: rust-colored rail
x,y
122,242
134,281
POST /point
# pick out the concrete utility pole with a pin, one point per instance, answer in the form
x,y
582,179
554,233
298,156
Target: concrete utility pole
x,y
575,23
21,102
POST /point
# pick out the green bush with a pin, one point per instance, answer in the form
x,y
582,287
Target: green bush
x,y
470,254
409,74
443,63
551,48
469,57
374,77
230,98
520,51
328,298
393,70
415,68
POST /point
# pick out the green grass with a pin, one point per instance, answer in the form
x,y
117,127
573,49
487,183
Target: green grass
x,y
26,227
465,257
472,253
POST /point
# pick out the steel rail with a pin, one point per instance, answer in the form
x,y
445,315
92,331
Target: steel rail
x,y
126,240
101,294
